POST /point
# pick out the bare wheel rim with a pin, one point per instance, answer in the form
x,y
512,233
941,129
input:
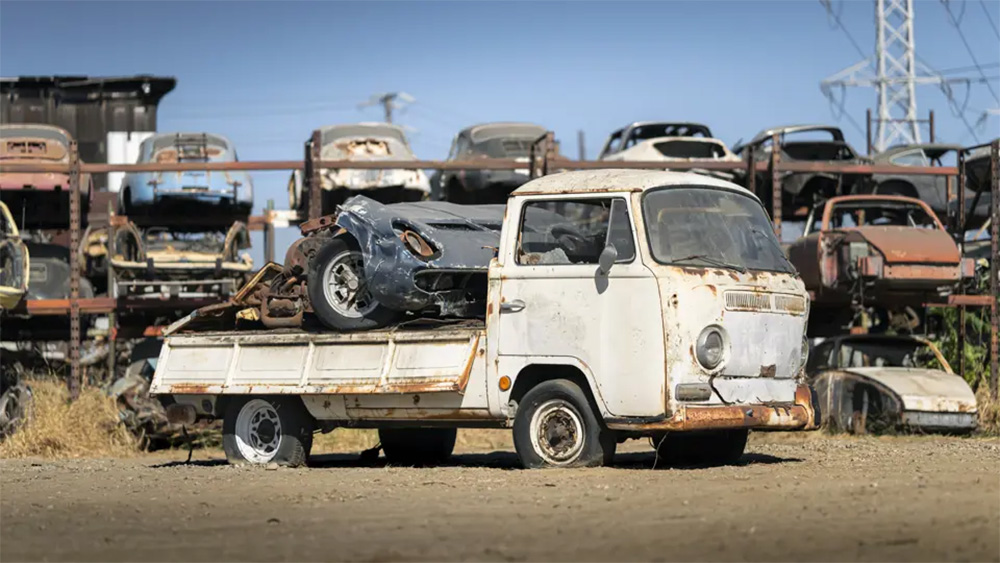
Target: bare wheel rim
x,y
557,432
344,286
258,431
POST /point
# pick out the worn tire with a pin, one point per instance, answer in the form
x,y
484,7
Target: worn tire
x,y
555,426
330,253
712,447
417,446
261,430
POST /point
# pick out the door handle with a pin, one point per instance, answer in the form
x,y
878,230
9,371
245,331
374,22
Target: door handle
x,y
511,306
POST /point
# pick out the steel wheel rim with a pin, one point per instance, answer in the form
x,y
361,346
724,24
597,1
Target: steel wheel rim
x,y
258,431
344,286
557,432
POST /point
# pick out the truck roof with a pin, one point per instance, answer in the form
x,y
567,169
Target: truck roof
x,y
620,179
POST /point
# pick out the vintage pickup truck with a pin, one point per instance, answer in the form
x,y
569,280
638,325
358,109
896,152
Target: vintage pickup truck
x,y
685,324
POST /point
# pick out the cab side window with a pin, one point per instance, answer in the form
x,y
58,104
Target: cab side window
x,y
574,231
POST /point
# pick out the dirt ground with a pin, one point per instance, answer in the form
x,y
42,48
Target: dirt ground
x,y
790,498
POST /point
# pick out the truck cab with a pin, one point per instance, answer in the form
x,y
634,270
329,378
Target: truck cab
x,y
662,306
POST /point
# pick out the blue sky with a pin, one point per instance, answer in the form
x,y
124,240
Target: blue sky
x,y
266,73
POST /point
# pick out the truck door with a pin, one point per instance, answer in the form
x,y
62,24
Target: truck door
x,y
556,307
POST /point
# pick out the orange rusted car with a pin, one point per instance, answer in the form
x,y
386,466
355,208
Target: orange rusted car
x,y
38,199
877,249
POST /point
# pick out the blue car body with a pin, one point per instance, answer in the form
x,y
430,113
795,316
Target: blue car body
x,y
226,195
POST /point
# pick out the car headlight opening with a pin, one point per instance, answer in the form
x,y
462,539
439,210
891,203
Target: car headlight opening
x,y
711,347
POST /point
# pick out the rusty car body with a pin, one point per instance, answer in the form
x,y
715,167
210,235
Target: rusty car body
x,y
812,143
509,140
890,250
684,319
156,262
39,199
875,383
204,196
362,142
14,261
933,190
403,257
978,180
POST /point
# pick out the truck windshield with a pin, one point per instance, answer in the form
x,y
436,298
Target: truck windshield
x,y
702,226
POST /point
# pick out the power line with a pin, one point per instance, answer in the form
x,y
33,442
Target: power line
x,y
840,24
968,48
959,69
989,18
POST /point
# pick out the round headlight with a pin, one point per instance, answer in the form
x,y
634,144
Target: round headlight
x,y
805,353
711,347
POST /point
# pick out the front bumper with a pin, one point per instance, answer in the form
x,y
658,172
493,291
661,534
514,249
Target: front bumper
x,y
944,421
799,415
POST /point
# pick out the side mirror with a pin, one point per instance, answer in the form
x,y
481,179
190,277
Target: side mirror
x,y
607,259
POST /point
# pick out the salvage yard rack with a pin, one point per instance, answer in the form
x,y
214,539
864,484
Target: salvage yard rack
x,y
543,160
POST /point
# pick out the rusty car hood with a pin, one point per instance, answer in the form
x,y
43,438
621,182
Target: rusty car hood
x,y
920,389
910,245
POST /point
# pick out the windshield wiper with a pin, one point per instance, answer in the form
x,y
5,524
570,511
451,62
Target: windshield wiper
x,y
714,261
774,245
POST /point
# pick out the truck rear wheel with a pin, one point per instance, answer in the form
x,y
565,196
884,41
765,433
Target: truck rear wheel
x,y
555,426
417,446
261,430
713,447
338,290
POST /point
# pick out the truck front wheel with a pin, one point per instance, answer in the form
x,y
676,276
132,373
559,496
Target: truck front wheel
x,y
261,430
417,446
555,426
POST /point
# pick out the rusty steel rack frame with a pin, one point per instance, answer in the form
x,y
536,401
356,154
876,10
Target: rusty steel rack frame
x,y
543,160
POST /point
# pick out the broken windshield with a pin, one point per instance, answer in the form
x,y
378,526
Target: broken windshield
x,y
698,226
903,353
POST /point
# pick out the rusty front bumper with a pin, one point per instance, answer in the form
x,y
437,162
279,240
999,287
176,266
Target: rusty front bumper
x,y
800,415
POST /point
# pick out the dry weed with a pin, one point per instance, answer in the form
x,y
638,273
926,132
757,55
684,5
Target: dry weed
x,y
989,411
57,428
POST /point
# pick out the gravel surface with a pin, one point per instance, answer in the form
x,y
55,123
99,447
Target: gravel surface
x,y
790,498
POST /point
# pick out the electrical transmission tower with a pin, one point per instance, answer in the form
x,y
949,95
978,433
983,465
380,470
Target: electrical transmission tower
x,y
895,75
389,101
895,70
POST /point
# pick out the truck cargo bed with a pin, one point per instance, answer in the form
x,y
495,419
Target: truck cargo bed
x,y
404,359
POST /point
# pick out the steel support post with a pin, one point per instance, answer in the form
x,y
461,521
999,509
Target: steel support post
x,y
74,271
994,267
775,184
112,316
269,232
313,172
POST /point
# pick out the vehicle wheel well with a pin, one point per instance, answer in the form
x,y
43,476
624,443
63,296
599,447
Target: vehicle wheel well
x,y
896,187
222,403
531,376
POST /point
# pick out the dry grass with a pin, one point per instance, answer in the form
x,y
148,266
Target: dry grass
x,y
989,412
87,427
346,440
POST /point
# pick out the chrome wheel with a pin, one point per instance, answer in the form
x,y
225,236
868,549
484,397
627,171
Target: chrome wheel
x,y
258,431
344,285
557,432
